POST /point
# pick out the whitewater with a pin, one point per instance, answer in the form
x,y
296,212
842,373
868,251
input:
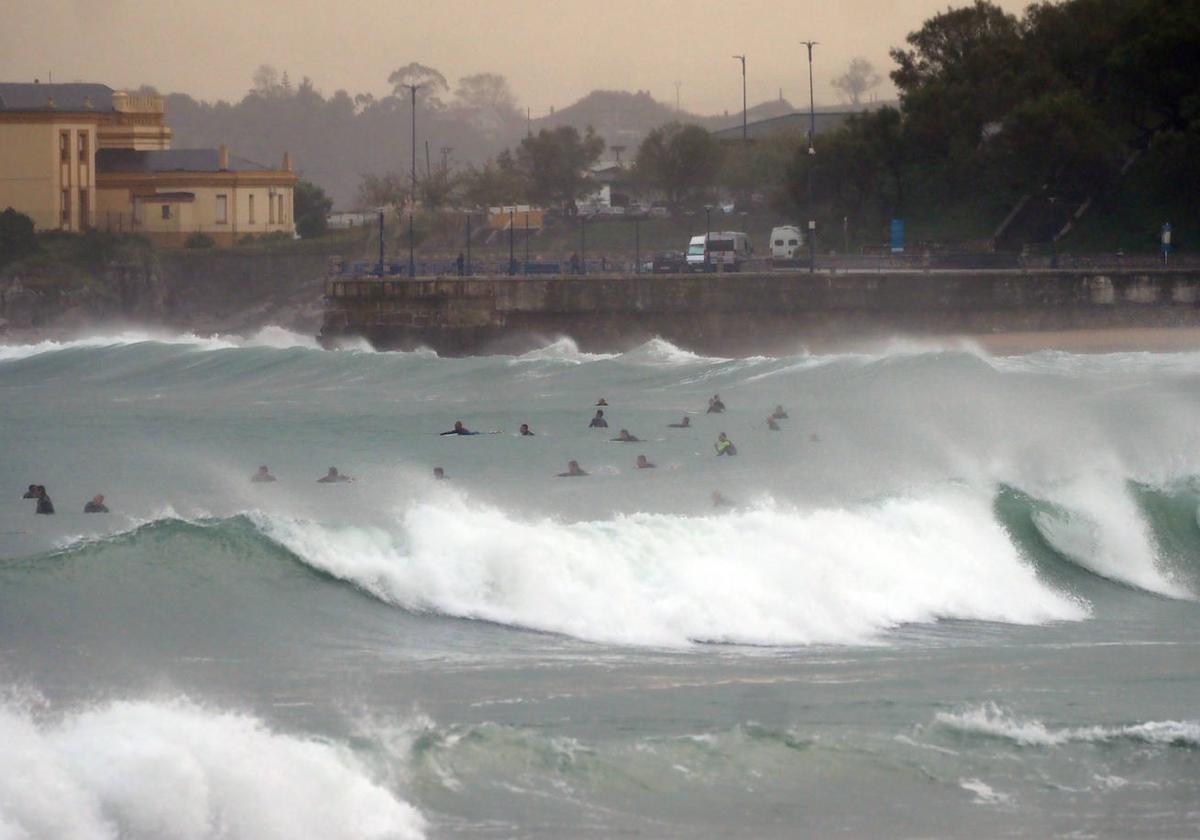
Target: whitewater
x,y
954,591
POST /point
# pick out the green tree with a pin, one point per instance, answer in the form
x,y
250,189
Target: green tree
x,y
17,237
682,161
859,78
498,182
556,162
311,207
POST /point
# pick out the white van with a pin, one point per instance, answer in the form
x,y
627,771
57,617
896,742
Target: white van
x,y
726,251
787,243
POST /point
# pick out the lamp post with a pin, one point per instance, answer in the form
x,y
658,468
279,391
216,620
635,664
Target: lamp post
x,y
583,244
512,261
707,233
812,130
742,58
468,244
412,207
526,271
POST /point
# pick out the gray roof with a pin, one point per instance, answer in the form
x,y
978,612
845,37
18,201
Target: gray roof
x,y
170,160
16,96
796,121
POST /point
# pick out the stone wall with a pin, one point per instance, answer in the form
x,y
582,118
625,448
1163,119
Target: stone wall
x,y
736,314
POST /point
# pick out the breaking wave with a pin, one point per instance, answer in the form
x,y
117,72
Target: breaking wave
x,y
150,769
989,720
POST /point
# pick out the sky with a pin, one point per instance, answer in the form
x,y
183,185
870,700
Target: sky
x,y
552,51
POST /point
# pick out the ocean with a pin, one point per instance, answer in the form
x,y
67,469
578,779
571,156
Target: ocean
x,y
955,593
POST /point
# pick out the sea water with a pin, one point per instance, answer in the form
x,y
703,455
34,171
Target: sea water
x,y
954,593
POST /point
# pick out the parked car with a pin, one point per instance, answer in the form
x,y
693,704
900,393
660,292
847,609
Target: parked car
x,y
669,262
786,242
724,251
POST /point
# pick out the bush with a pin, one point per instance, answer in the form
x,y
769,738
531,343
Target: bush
x,y
199,240
17,238
311,206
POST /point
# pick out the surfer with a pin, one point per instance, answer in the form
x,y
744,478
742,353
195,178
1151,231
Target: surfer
x,y
779,413
44,505
602,402
439,474
525,430
333,477
263,475
685,423
771,424
715,406
31,493
624,437
598,422
459,429
724,445
573,470
96,505
643,464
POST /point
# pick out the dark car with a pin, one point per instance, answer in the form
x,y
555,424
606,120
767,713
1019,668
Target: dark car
x,y
669,262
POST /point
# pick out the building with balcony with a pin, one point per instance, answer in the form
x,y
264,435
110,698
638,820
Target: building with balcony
x,y
75,157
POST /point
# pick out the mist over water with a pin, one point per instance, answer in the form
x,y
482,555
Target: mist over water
x,y
953,589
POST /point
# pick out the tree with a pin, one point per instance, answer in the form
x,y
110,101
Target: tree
x,y
311,206
556,161
432,85
680,160
388,189
494,184
266,81
436,189
857,80
485,92
17,238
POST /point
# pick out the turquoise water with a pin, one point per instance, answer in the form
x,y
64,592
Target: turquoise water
x,y
954,593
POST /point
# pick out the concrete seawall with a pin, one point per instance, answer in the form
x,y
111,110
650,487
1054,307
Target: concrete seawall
x,y
739,314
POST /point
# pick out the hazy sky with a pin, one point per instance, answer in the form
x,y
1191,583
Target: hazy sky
x,y
552,51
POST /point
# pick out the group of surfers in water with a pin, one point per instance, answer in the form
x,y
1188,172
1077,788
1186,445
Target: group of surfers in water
x,y
45,504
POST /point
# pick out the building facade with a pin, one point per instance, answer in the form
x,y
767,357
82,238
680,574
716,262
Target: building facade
x,y
77,157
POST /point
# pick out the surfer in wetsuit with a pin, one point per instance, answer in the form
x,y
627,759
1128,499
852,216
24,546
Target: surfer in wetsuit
x,y
439,474
602,402
525,430
779,413
598,422
31,493
573,470
685,423
459,429
715,406
724,445
96,505
44,505
263,475
771,424
333,477
625,437
643,464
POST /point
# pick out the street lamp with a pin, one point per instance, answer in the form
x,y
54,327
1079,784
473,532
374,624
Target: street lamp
x,y
512,261
742,58
707,232
812,130
412,207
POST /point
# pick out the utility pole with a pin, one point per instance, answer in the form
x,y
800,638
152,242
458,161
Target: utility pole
x,y
428,168
412,207
812,130
446,150
678,110
742,58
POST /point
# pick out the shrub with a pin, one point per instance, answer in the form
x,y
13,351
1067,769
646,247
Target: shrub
x,y
199,240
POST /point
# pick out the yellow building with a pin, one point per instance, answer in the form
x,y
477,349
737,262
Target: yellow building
x,y
75,157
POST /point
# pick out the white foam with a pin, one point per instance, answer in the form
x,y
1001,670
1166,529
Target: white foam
x,y
992,721
278,338
766,576
11,352
562,349
174,769
659,351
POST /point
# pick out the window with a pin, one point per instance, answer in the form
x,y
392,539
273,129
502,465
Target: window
x,y
83,209
166,211
64,146
222,209
83,147
793,242
281,219
778,241
251,214
65,208
271,209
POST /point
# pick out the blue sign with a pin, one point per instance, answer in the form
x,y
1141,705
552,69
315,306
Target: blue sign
x,y
897,236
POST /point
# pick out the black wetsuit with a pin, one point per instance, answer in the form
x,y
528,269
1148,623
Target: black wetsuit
x,y
458,432
598,423
93,507
44,504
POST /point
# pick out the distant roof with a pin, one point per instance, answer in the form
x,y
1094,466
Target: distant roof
x,y
796,121
170,160
17,96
